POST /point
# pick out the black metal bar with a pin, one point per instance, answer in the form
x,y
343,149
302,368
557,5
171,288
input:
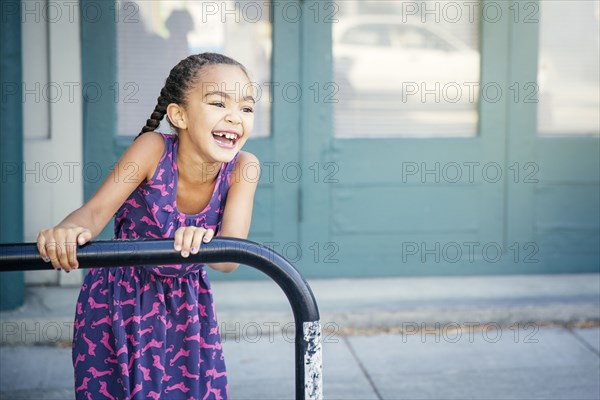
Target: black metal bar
x,y
112,253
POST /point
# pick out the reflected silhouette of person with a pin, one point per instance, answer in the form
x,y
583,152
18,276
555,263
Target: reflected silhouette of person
x,y
179,24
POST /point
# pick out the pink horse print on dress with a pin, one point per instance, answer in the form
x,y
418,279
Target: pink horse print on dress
x,y
186,373
94,304
130,302
202,309
105,320
91,345
136,355
124,369
97,283
153,312
80,357
95,373
183,327
210,390
193,338
106,343
213,372
155,209
145,288
127,286
79,324
131,339
154,395
132,203
111,360
104,391
136,389
160,297
166,378
152,343
204,345
122,350
177,292
180,353
157,364
162,189
145,372
163,319
150,329
148,221
185,305
179,386
84,385
135,318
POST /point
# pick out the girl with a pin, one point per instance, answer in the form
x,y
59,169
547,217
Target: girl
x,y
152,332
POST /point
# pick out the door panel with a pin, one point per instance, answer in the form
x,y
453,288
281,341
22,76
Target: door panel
x,y
553,202
275,211
406,206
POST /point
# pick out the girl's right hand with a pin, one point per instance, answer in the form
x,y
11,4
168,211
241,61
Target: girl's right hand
x,y
58,245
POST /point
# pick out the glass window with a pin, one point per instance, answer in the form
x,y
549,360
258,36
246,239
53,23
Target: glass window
x,y
153,36
406,69
568,68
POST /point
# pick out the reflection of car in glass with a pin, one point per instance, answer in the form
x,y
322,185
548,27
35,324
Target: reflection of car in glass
x,y
383,54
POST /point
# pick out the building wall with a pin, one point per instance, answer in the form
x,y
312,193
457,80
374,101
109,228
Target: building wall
x,y
52,125
366,221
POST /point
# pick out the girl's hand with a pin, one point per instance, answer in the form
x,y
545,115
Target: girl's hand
x,y
189,238
59,245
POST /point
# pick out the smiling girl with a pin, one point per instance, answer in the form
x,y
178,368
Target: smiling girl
x,y
152,332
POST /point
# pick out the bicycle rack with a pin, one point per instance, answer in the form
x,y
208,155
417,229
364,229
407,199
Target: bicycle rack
x,y
111,253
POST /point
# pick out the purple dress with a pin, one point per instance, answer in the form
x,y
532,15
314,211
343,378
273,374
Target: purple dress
x,y
150,332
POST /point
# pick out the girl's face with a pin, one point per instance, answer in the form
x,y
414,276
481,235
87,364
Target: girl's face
x,y
219,114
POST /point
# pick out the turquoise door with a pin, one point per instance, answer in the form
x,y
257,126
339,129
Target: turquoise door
x,y
401,206
275,214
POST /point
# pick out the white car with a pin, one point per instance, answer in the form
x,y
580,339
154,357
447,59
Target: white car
x,y
386,54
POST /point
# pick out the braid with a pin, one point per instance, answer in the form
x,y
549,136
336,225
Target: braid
x,y
180,80
157,115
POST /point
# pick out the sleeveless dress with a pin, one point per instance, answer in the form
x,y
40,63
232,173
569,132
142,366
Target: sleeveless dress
x,y
151,332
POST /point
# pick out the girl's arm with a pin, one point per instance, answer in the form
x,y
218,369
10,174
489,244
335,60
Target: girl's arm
x,y
237,215
59,244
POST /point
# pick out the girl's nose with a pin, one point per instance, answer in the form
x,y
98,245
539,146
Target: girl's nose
x,y
233,117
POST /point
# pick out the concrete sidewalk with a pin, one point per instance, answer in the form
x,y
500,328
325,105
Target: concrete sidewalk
x,y
505,337
350,305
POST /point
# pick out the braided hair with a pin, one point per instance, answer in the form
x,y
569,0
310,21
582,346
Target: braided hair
x,y
179,81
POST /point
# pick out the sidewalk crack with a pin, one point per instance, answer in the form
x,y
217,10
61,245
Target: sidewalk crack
x,y
362,368
583,341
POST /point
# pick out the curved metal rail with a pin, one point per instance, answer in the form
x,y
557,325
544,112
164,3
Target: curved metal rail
x,y
111,253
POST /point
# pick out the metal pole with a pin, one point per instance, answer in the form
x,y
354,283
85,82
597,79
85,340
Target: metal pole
x,y
112,253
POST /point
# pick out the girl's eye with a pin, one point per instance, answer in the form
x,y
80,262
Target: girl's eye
x,y
217,104
248,109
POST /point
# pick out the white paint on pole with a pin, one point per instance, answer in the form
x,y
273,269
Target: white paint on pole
x,y
313,363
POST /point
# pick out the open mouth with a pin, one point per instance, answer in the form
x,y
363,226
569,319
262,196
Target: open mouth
x,y
226,140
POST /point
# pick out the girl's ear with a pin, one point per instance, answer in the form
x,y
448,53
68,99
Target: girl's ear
x,y
177,116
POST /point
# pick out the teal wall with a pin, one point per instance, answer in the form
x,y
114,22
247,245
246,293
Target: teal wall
x,y
364,220
99,68
11,149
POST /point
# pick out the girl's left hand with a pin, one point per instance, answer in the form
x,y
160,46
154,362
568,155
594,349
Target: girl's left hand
x,y
188,239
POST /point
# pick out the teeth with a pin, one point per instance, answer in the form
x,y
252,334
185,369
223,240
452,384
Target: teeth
x,y
231,136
